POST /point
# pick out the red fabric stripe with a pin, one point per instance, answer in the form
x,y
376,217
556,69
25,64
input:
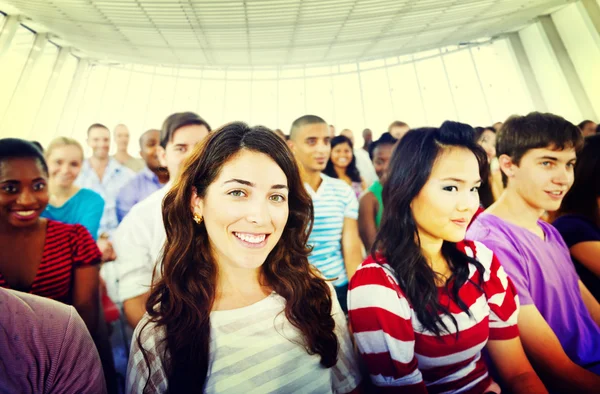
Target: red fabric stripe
x,y
435,374
504,333
431,346
374,319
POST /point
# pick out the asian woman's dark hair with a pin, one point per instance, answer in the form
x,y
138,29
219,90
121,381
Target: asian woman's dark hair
x,y
181,299
582,198
398,239
486,197
16,148
351,170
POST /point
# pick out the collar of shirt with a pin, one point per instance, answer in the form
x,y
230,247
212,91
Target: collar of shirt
x,y
150,176
113,168
313,193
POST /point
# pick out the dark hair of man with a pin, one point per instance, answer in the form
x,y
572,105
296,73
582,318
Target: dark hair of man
x,y
183,295
176,121
536,130
351,170
398,238
38,145
304,121
396,123
16,148
385,139
96,126
141,140
583,124
582,198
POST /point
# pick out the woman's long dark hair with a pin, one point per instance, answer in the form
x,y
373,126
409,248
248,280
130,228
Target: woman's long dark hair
x,y
582,198
486,197
181,300
398,238
351,170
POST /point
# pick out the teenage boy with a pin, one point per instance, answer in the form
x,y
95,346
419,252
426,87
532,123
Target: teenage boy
x,y
559,319
334,237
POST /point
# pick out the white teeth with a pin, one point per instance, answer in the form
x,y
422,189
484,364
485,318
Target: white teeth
x,y
254,239
24,213
556,193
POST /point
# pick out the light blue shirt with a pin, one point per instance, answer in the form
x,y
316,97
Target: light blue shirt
x,y
115,177
85,208
333,202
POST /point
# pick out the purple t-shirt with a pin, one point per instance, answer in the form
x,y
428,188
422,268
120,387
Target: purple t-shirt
x,y
544,276
45,348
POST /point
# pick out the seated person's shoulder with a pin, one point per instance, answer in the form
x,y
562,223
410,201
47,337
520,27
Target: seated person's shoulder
x,y
90,196
367,197
51,336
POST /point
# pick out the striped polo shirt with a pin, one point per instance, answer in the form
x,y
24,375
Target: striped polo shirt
x,y
402,356
333,202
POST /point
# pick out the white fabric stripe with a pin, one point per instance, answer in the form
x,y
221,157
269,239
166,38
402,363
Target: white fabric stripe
x,y
479,311
458,374
413,378
370,296
434,362
370,342
468,386
497,299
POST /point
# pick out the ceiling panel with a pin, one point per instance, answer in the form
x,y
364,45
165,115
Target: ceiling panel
x,y
225,33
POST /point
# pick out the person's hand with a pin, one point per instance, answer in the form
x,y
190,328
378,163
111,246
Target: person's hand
x,y
108,253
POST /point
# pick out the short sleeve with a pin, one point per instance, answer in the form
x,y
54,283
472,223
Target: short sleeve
x,y
575,230
501,296
381,321
78,367
346,374
85,250
138,379
515,266
351,205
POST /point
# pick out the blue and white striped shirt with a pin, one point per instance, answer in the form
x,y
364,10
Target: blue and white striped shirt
x,y
333,202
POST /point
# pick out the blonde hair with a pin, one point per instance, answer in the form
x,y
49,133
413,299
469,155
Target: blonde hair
x,y
62,141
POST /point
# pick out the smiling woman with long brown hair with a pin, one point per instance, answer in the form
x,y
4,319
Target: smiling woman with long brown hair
x,y
237,306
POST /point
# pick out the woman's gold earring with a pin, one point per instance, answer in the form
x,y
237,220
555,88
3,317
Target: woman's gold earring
x,y
197,219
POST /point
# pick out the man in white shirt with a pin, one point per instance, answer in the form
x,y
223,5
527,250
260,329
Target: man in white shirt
x,y
141,235
363,161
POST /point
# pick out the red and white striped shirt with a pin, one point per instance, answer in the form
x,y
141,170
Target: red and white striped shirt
x,y
399,352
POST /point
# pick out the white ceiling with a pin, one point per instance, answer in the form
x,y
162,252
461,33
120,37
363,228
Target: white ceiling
x,y
269,32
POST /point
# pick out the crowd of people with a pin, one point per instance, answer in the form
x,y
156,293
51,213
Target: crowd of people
x,y
451,259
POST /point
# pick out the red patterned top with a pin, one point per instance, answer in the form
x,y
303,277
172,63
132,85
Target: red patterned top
x,y
67,247
402,356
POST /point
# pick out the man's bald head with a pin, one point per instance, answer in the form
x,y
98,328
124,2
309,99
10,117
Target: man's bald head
x,y
348,134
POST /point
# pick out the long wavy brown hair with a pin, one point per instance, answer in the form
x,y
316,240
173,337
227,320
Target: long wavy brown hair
x,y
181,300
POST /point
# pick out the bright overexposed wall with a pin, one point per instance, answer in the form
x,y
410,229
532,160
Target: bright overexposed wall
x,y
48,92
582,41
